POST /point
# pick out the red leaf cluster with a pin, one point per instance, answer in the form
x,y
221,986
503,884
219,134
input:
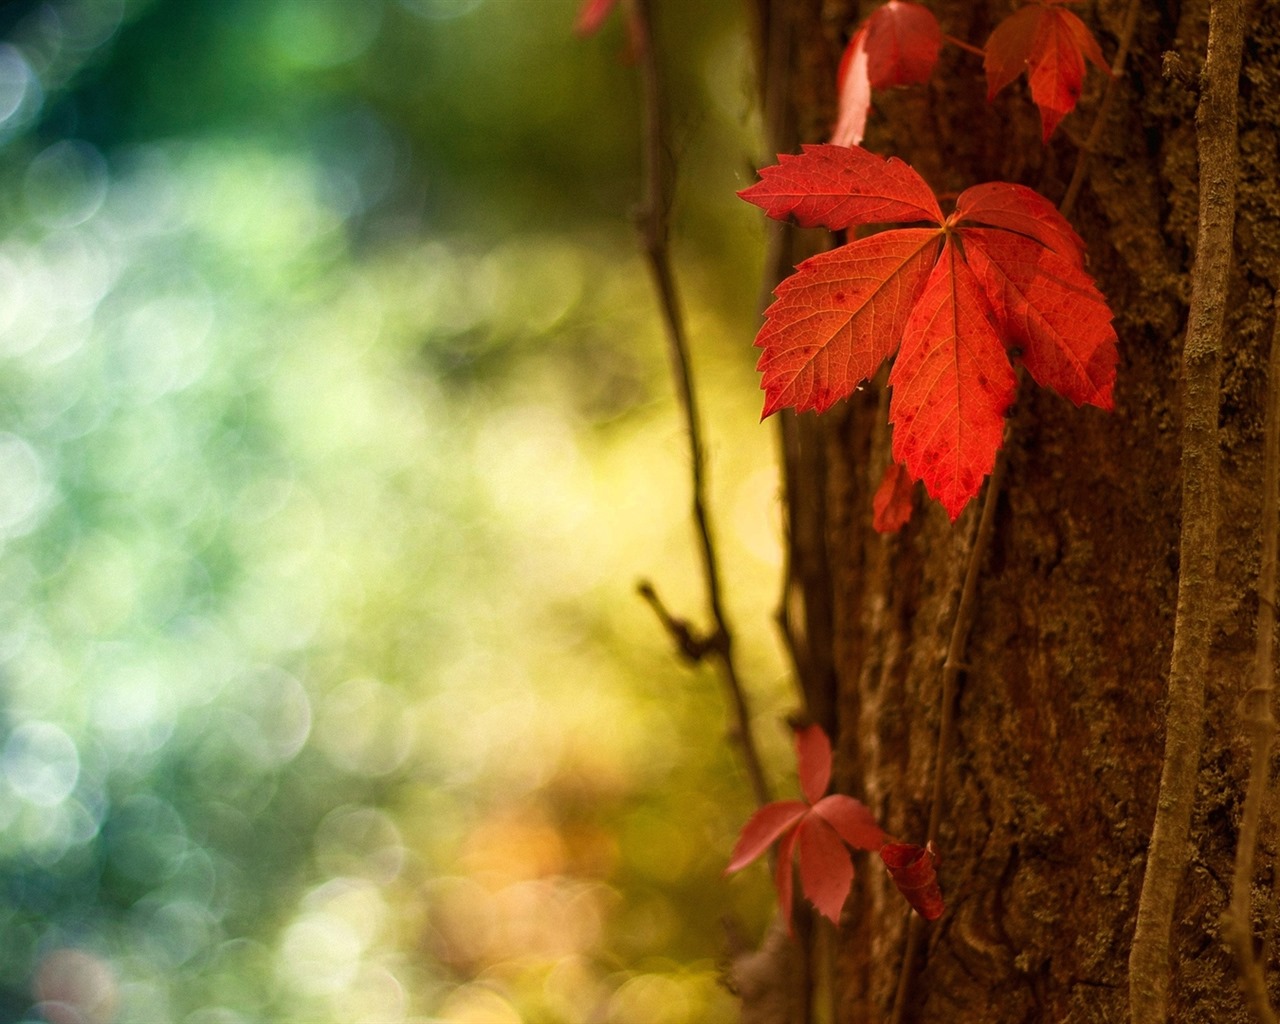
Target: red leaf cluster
x,y
1004,271
819,827
1051,44
899,43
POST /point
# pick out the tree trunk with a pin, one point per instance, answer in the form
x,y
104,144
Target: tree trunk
x,y
1052,777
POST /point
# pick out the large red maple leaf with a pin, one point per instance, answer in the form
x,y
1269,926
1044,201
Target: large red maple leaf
x,y
1004,271
1051,45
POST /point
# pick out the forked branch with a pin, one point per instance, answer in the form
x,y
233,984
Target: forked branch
x,y
653,221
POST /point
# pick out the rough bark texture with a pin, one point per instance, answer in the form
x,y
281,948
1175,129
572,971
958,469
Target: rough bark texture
x,y
1053,773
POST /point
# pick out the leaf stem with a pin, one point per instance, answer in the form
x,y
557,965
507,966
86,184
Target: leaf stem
x,y
1216,131
963,45
654,228
1104,108
951,669
1256,712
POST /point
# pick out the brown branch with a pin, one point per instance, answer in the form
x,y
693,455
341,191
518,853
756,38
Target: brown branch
x,y
654,228
1197,583
1104,108
1258,718
692,645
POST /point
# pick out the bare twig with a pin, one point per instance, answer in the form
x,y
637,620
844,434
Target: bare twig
x,y
1104,108
1197,583
692,645
1257,715
653,222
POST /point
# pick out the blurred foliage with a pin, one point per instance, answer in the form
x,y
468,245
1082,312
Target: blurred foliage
x,y
335,432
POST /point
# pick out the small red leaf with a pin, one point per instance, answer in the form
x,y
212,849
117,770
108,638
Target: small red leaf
x,y
914,871
592,14
837,187
762,828
903,40
853,86
821,827
1051,44
1022,210
1009,47
891,504
813,762
852,820
826,870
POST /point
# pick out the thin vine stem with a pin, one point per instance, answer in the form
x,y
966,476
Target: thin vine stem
x,y
969,47
1167,855
1258,717
1104,108
653,220
966,611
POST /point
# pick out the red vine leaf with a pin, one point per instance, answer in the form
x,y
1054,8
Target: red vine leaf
x,y
813,762
897,45
820,832
891,505
1023,211
840,187
1004,271
763,829
903,40
1050,309
951,383
820,827
914,871
853,86
853,821
1051,44
826,870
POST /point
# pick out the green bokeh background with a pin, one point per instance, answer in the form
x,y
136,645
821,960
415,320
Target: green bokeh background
x,y
335,431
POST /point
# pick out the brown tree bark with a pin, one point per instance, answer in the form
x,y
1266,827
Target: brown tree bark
x,y
1052,777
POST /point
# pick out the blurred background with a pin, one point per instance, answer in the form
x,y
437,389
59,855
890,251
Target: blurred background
x,y
335,431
